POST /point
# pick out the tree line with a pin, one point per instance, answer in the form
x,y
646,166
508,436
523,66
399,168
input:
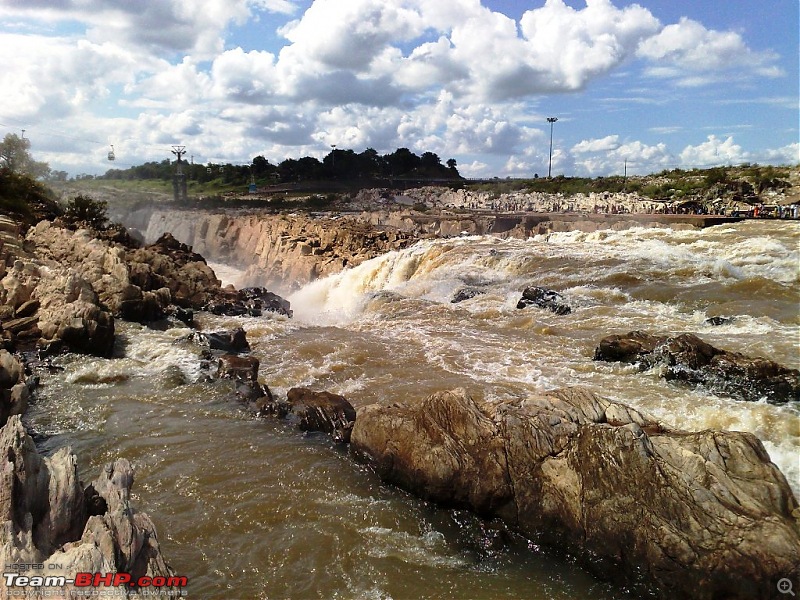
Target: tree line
x,y
337,165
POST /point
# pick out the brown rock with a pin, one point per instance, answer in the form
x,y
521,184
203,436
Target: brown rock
x,y
699,515
322,411
689,359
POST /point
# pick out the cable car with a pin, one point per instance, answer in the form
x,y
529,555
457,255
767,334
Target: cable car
x,y
111,154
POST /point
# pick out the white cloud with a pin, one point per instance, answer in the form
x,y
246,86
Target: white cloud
x,y
713,151
450,76
608,155
696,55
610,142
174,26
55,77
788,155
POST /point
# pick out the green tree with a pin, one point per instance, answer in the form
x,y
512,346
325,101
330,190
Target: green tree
x,y
83,209
15,156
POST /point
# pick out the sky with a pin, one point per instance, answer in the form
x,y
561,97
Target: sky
x,y
636,87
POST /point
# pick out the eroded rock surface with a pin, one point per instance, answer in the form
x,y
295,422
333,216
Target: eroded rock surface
x,y
699,515
50,519
689,359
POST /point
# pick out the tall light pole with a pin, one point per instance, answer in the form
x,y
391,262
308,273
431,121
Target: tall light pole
x,y
551,120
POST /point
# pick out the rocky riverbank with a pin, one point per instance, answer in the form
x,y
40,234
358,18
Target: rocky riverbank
x,y
691,514
61,290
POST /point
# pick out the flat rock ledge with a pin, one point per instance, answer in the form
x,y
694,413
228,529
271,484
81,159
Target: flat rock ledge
x,y
50,521
690,515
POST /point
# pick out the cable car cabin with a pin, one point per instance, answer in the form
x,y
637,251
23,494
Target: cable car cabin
x,y
111,154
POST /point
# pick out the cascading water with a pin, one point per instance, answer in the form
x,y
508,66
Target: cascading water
x,y
249,508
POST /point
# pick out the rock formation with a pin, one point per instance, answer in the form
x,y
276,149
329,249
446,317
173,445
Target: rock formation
x,y
50,520
66,291
278,250
689,359
699,515
322,411
544,298
15,389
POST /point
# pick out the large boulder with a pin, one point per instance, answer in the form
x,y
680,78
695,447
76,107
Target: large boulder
x,y
49,519
252,301
53,306
689,359
322,411
697,515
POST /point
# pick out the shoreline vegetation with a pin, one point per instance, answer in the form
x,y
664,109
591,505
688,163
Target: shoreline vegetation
x,y
746,190
700,515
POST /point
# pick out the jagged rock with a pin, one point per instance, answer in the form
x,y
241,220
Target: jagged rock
x,y
70,314
233,341
718,321
544,298
15,390
259,299
136,284
322,411
233,366
248,301
184,315
699,515
49,519
689,359
466,294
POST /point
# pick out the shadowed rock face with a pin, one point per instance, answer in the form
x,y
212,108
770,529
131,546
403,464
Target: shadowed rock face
x,y
700,515
322,411
49,519
689,359
544,298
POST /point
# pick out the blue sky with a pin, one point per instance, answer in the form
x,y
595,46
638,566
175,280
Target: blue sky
x,y
654,85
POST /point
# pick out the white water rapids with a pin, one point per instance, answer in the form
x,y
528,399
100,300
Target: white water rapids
x,y
252,509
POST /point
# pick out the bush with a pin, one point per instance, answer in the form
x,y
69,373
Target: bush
x,y
83,209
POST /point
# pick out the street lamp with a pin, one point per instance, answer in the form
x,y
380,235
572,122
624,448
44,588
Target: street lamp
x,y
333,158
551,120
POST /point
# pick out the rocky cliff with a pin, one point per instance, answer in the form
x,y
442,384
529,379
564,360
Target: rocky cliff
x,y
283,251
286,251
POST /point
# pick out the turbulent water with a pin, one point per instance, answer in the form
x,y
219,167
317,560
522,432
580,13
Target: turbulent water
x,y
253,509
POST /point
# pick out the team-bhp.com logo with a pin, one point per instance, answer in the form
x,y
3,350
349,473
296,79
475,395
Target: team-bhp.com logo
x,y
85,583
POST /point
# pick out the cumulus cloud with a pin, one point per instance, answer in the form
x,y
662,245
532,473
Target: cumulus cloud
x,y
450,76
714,151
173,26
608,155
695,55
56,77
610,142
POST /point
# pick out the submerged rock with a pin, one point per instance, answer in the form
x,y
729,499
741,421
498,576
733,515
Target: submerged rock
x,y
233,341
544,298
51,520
718,321
689,359
466,294
700,515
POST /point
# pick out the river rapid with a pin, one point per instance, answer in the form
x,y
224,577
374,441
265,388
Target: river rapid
x,y
249,508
